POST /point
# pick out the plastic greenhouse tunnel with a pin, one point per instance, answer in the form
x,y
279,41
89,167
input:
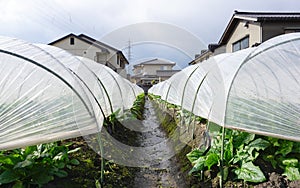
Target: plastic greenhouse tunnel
x,y
255,90
48,94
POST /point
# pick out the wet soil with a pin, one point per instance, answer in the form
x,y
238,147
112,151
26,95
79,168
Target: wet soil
x,y
158,162
161,162
164,168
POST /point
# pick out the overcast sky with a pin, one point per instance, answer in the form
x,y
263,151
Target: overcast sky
x,y
43,21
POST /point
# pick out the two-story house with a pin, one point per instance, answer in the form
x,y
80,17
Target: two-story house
x,y
85,46
152,71
248,29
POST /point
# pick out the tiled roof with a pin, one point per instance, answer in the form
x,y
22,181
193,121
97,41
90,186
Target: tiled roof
x,y
269,16
93,42
86,39
155,61
96,42
257,17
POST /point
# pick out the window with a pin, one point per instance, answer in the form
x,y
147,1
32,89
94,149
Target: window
x,y
163,67
72,41
241,44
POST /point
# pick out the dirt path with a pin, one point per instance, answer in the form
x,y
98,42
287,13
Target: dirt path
x,y
163,170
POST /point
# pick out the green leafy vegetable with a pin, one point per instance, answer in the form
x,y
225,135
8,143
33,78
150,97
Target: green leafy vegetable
x,y
35,165
249,172
292,173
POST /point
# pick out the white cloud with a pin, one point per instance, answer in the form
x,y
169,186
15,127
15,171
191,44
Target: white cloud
x,y
43,21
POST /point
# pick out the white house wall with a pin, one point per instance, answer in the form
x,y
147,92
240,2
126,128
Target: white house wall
x,y
81,48
253,30
151,69
137,70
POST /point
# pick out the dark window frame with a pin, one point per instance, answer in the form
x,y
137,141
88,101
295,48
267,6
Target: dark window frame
x,y
72,41
238,45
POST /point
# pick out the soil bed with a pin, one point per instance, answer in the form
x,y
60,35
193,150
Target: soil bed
x,y
158,128
162,171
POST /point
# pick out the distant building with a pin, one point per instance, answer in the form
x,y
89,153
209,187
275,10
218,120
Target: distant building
x,y
152,71
248,29
83,45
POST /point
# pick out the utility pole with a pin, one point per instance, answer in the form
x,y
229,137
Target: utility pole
x,y
129,57
129,53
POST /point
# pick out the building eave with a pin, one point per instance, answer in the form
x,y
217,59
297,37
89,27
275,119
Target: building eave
x,y
255,17
192,62
199,57
94,41
123,57
245,18
149,62
63,38
78,38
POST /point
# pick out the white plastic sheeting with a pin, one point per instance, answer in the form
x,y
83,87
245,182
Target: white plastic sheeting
x,y
255,90
47,94
119,92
